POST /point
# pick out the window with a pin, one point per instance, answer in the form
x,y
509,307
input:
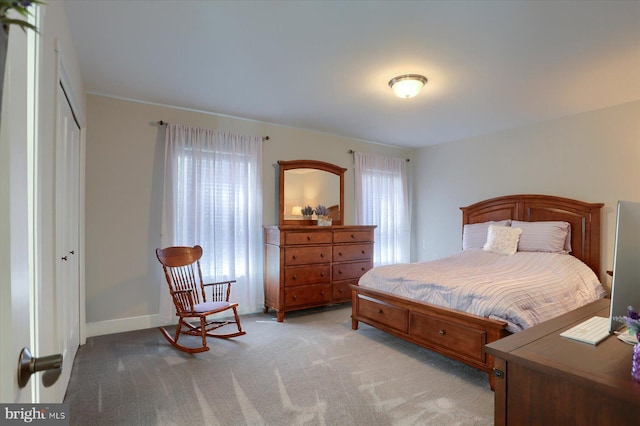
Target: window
x,y
213,198
382,200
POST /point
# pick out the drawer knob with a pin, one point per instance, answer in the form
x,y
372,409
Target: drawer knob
x,y
379,311
363,268
353,236
322,274
294,297
308,237
362,251
295,277
339,271
339,253
442,332
295,257
321,254
341,290
322,293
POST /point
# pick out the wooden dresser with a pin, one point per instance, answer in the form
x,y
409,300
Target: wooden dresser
x,y
545,379
306,266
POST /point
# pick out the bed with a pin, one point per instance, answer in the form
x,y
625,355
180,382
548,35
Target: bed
x,y
463,335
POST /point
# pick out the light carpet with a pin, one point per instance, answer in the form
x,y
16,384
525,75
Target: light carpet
x,y
312,369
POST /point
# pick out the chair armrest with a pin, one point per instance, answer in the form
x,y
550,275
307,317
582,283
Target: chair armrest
x,y
220,291
220,282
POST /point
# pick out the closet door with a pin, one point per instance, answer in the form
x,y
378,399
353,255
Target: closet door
x,y
67,209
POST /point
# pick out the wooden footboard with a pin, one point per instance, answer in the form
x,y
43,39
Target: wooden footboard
x,y
457,335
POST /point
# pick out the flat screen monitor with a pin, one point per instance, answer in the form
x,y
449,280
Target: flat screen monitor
x,y
625,286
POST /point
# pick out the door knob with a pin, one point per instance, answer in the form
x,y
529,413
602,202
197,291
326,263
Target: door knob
x,y
28,365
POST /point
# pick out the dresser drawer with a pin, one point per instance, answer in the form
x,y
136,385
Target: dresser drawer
x,y
301,275
306,255
380,312
307,295
296,238
341,291
352,236
352,252
349,271
463,340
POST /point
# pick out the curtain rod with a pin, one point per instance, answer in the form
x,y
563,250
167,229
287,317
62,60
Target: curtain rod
x,y
352,152
162,123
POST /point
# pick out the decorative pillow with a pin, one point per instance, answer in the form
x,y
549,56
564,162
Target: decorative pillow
x,y
502,239
548,236
475,235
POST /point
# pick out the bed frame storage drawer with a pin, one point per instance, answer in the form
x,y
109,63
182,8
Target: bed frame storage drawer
x,y
308,295
383,313
465,341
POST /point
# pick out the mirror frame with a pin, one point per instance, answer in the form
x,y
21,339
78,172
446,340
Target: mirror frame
x,y
309,164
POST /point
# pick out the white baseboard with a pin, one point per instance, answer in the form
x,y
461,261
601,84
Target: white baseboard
x,y
121,325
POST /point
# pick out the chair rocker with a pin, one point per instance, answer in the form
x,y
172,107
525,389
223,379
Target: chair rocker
x,y
182,269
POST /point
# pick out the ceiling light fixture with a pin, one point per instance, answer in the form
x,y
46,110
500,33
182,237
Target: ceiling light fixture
x,y
408,85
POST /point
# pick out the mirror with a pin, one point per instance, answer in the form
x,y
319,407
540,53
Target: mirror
x,y
309,183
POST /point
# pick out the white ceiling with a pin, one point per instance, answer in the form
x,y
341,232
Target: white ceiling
x,y
324,65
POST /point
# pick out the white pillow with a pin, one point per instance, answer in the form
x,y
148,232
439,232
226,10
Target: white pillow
x,y
502,239
475,235
546,236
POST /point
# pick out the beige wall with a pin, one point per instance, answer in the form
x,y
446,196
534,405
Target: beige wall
x,y
124,179
594,157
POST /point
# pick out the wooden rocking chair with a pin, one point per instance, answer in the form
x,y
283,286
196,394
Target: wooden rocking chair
x,y
182,269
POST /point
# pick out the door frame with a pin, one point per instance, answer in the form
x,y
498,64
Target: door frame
x,y
52,331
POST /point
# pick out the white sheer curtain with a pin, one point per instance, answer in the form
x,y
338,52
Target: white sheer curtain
x,y
213,197
382,199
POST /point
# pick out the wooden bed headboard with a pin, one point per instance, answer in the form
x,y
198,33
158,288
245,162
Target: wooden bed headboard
x,y
583,217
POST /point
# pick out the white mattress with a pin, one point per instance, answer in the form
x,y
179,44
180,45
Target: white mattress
x,y
523,290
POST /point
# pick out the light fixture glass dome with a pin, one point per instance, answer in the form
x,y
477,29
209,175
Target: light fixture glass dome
x,y
408,85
